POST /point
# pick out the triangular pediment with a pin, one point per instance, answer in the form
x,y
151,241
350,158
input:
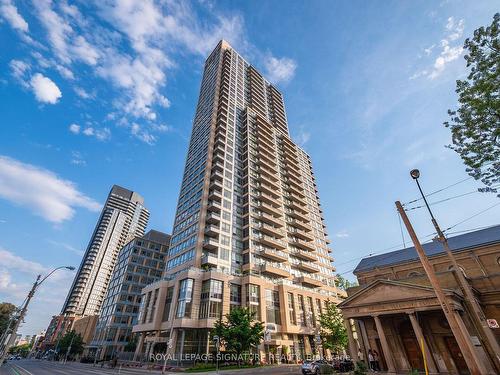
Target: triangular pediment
x,y
387,291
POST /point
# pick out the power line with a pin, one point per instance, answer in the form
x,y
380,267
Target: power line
x,y
439,190
471,217
448,199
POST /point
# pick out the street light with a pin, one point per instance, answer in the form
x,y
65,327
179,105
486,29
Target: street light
x,y
31,293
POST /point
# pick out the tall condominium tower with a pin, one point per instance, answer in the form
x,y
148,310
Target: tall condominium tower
x,y
249,229
123,218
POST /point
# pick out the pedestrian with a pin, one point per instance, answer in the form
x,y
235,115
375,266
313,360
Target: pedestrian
x,y
376,360
371,360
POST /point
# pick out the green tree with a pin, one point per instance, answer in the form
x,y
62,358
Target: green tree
x,y
75,340
131,345
475,125
239,331
343,283
22,350
6,311
333,332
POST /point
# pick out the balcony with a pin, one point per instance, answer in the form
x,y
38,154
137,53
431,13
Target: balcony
x,y
267,189
209,259
214,206
302,244
300,234
306,266
265,178
274,270
210,244
273,220
269,229
266,207
217,166
276,255
270,241
212,230
216,175
299,224
265,197
213,218
309,281
215,195
306,255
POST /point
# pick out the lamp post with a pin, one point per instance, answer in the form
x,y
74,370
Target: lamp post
x,y
31,293
477,314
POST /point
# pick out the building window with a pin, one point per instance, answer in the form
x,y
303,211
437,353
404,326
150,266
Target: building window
x,y
185,299
302,311
291,309
168,303
272,307
235,295
253,299
211,299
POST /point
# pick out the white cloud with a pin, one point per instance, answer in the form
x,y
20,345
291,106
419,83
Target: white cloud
x,y
302,137
448,53
342,234
100,134
456,29
74,128
66,246
279,70
65,72
15,262
9,12
82,93
67,45
19,70
77,159
138,132
46,91
41,191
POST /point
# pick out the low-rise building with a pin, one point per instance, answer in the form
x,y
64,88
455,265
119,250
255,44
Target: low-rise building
x,y
395,309
139,263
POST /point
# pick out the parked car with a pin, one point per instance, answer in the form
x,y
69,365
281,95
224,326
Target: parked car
x,y
318,367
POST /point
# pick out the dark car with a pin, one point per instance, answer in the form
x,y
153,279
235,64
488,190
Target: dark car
x,y
317,367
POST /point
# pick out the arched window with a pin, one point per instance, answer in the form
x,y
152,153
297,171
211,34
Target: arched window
x,y
414,274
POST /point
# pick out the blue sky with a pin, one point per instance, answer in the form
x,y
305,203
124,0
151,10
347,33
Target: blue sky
x,y
94,94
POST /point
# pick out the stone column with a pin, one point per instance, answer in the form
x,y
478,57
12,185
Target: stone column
x,y
420,338
140,344
385,346
353,348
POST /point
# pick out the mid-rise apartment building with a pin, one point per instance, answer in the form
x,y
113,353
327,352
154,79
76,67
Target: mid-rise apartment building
x,y
249,228
140,262
123,218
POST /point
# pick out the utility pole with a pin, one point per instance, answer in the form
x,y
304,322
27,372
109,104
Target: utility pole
x,y
19,320
474,308
463,341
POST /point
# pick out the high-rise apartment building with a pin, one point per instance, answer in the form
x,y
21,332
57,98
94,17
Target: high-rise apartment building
x,y
249,229
123,218
140,262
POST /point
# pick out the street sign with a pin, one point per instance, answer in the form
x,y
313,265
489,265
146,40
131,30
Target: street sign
x,y
492,323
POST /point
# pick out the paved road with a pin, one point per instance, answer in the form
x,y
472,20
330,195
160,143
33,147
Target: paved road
x,y
38,367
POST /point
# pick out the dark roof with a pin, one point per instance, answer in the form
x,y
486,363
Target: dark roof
x,y
157,236
465,241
